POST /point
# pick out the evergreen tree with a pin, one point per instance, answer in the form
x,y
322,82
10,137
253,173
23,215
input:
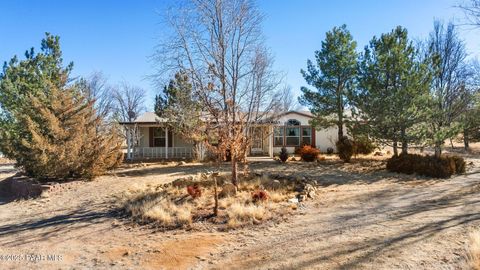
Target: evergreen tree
x,y
333,76
47,125
393,86
177,104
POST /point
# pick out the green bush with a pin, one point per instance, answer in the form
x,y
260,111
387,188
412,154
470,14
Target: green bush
x,y
309,153
363,145
345,148
284,155
442,167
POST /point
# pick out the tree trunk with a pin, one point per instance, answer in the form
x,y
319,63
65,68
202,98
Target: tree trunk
x,y
451,143
340,129
234,170
466,142
395,148
404,142
215,208
438,149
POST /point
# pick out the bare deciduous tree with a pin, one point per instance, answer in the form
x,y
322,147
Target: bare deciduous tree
x,y
289,102
129,102
450,74
219,43
472,12
97,89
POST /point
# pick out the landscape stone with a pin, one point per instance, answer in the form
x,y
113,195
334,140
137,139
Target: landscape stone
x,y
228,190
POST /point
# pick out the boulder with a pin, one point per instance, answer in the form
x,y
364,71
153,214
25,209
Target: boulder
x,y
228,190
273,185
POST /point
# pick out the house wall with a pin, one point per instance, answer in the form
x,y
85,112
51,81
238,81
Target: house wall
x,y
324,138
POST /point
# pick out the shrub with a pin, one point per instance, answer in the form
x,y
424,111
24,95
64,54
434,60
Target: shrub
x,y
363,145
460,164
345,148
259,195
330,150
309,153
442,167
194,191
283,154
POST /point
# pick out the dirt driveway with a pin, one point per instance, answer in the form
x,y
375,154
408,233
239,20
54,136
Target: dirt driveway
x,y
363,218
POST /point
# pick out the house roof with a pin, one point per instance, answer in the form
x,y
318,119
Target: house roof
x,y
153,118
147,118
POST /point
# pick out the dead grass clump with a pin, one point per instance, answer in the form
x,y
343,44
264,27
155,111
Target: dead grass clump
x,y
157,208
474,250
240,214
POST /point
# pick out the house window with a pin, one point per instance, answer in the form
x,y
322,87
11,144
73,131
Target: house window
x,y
306,136
292,136
278,136
159,137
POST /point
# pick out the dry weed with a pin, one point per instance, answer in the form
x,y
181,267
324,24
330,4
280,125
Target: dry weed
x,y
474,250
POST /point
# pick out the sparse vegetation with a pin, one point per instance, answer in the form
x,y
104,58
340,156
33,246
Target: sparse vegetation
x,y
173,206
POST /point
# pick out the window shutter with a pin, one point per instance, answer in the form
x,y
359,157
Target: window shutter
x,y
150,136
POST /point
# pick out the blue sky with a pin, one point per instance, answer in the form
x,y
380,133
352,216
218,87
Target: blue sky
x,y
117,37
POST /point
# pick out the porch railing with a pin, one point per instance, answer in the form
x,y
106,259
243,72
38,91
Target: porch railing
x,y
159,152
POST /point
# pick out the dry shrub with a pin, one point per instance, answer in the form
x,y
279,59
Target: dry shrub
x,y
473,256
157,208
241,214
194,191
63,138
442,167
330,150
259,196
345,148
309,153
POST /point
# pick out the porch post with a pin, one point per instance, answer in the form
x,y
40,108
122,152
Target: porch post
x,y
166,142
270,142
128,143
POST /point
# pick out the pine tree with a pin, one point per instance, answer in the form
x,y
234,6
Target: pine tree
x,y
333,77
48,126
177,104
393,88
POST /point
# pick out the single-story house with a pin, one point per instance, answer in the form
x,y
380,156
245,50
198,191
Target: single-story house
x,y
291,129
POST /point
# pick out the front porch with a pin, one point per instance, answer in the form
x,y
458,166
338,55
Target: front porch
x,y
162,153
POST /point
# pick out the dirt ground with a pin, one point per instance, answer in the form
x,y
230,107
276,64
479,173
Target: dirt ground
x,y
363,218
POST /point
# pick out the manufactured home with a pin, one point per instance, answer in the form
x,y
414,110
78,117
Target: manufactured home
x,y
292,129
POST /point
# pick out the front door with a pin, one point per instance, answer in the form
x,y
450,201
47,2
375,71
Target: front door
x,y
257,141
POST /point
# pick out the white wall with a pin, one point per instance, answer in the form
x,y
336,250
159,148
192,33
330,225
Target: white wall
x,y
324,138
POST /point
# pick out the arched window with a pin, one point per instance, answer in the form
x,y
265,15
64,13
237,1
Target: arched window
x,y
293,122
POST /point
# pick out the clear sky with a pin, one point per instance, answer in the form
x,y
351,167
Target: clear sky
x,y
117,37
